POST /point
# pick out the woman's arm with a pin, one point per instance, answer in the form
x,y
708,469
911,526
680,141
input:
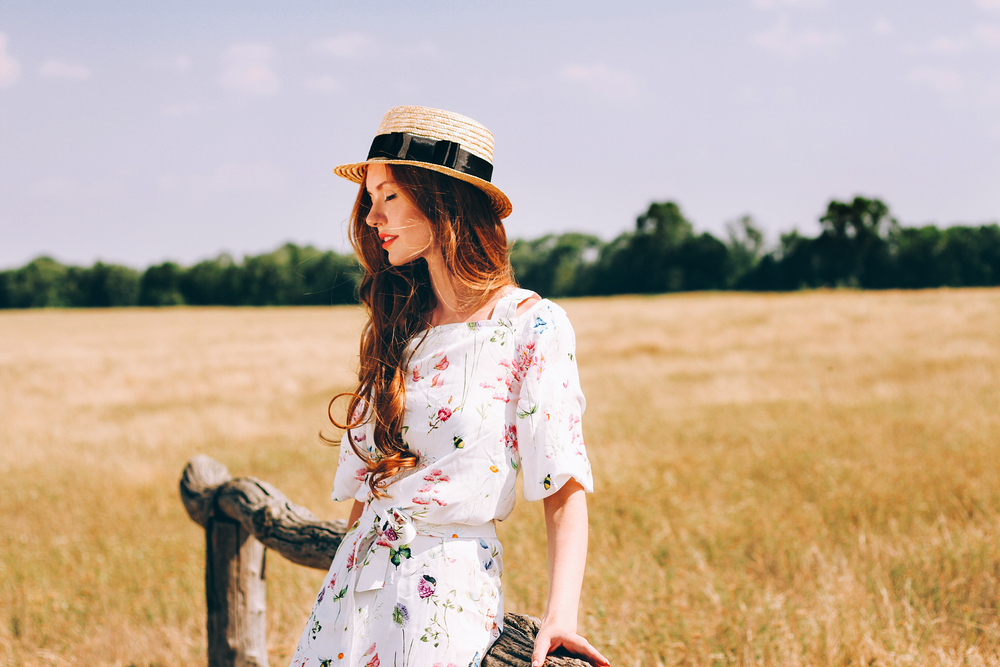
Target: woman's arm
x,y
355,513
566,525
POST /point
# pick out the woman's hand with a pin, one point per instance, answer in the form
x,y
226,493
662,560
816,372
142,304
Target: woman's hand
x,y
566,526
551,637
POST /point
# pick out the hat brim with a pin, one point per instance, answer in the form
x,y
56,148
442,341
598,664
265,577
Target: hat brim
x,y
355,173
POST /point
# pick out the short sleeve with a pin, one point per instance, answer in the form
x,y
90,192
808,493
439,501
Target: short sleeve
x,y
351,470
550,405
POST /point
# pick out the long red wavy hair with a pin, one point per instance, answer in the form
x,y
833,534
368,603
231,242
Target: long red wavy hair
x,y
400,299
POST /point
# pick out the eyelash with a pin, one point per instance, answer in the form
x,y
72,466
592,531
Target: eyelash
x,y
390,197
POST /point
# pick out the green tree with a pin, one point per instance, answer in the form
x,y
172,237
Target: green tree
x,y
41,283
160,286
108,286
745,246
556,265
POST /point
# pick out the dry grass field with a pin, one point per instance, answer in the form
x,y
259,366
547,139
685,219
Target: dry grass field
x,y
797,479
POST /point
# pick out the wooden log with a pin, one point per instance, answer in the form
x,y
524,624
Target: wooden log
x,y
290,529
264,511
236,595
201,476
517,641
260,513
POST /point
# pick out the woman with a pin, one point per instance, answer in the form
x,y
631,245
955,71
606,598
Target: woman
x,y
464,381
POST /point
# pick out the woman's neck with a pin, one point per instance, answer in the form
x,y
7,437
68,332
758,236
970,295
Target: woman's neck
x,y
454,302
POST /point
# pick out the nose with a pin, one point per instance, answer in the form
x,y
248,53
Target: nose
x,y
375,215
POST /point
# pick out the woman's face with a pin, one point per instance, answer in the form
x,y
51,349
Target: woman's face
x,y
402,229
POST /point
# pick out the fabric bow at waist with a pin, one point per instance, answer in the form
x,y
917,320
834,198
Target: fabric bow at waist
x,y
390,535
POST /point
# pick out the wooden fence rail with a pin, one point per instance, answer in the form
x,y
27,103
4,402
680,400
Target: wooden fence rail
x,y
242,517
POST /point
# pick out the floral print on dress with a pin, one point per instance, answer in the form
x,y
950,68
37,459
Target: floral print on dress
x,y
486,401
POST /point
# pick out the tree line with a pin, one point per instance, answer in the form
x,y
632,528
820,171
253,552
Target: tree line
x,y
860,245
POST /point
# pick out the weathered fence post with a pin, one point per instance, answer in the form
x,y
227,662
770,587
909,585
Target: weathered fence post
x,y
236,596
243,516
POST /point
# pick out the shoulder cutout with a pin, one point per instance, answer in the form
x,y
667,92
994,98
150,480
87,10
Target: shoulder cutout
x,y
525,305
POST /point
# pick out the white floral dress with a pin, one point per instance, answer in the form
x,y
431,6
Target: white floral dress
x,y
416,582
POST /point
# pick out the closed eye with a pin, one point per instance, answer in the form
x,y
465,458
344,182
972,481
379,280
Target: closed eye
x,y
390,197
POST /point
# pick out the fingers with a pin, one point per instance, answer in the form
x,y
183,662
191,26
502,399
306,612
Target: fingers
x,y
542,647
545,643
592,654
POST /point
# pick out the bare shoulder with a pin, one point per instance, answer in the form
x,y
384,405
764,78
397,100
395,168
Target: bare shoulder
x,y
526,305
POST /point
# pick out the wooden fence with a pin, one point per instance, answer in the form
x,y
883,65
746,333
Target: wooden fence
x,y
244,517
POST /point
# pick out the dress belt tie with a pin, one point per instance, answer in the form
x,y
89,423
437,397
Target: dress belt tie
x,y
389,536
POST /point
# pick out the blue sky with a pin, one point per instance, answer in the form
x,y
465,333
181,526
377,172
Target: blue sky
x,y
140,132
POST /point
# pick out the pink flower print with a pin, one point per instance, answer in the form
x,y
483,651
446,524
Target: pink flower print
x,y
360,474
350,560
429,491
436,381
510,436
442,365
426,586
333,582
416,374
444,414
373,662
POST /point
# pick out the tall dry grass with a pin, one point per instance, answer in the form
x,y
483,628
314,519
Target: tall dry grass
x,y
808,478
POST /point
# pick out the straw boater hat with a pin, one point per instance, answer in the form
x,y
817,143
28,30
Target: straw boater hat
x,y
438,140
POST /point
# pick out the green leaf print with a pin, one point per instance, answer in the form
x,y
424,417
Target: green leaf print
x,y
396,555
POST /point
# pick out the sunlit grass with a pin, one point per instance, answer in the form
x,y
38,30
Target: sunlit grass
x,y
809,478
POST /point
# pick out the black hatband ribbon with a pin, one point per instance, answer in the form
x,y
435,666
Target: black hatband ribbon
x,y
414,148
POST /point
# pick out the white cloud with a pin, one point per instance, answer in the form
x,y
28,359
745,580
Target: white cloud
x,y
989,5
247,68
988,35
941,79
346,45
323,84
882,27
783,40
257,176
9,67
602,81
185,109
58,69
786,4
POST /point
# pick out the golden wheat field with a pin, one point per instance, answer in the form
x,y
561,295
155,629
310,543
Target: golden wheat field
x,y
799,479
